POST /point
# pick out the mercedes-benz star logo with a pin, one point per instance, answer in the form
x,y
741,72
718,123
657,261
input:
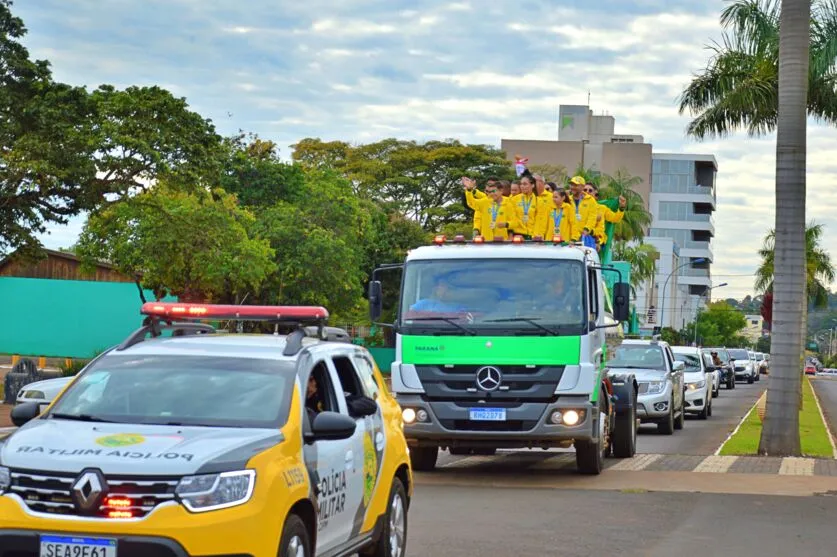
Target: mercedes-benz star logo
x,y
88,490
489,378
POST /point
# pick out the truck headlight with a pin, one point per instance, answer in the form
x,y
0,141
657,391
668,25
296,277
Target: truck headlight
x,y
212,492
697,385
656,387
5,479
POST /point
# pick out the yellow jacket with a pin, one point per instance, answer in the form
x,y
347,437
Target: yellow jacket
x,y
562,217
582,215
529,212
477,195
608,215
490,212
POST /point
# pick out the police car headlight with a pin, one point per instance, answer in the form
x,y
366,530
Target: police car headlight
x,y
212,492
5,479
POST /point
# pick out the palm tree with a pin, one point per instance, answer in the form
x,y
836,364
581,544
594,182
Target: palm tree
x,y
820,270
637,219
642,257
780,433
776,67
739,88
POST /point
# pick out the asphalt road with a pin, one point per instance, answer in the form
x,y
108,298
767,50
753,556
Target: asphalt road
x,y
452,521
826,389
698,437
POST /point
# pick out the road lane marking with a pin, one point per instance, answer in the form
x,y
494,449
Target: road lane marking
x,y
744,419
824,421
637,463
716,464
795,466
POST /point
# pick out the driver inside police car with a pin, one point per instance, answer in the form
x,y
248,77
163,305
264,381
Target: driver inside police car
x,y
313,398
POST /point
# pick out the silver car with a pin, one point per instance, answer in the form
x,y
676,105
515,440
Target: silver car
x,y
42,392
660,378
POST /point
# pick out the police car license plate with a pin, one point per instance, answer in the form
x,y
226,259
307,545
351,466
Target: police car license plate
x,y
488,414
66,546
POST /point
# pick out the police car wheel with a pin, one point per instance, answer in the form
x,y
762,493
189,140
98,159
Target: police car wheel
x,y
393,539
295,540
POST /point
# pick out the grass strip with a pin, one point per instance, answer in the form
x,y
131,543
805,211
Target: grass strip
x,y
812,431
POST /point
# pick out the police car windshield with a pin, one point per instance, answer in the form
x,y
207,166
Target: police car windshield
x,y
181,390
637,356
486,294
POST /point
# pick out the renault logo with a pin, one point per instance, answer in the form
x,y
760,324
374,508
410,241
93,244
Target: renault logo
x,y
88,490
489,378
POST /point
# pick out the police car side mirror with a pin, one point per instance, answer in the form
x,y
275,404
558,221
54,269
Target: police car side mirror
x,y
332,426
26,412
376,301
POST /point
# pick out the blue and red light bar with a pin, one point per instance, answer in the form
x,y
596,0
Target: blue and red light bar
x,y
169,310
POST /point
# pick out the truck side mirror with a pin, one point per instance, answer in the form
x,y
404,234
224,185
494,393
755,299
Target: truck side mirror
x,y
621,301
376,302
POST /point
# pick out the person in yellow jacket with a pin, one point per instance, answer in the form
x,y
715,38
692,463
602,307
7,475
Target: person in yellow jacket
x,y
495,211
529,209
479,195
584,210
558,221
605,213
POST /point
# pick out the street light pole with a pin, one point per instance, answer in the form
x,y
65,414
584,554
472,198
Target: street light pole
x,y
665,286
709,296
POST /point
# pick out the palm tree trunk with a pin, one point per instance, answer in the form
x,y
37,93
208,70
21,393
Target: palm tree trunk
x,y
780,434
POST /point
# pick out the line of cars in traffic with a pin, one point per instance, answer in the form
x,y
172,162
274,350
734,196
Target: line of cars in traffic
x,y
678,380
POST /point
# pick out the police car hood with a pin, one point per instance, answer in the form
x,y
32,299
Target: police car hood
x,y
122,449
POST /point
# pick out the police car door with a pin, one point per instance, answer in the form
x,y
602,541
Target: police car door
x,y
340,470
330,465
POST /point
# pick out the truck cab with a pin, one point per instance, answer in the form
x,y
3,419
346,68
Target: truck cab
x,y
503,345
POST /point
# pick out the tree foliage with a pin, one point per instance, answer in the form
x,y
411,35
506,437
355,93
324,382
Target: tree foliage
x,y
819,267
643,259
420,180
739,88
719,325
196,246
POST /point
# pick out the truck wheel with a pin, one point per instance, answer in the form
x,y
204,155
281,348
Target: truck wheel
x,y
423,459
295,540
624,431
681,419
667,427
393,540
590,455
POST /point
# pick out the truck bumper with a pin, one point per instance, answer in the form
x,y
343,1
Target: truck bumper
x,y
449,424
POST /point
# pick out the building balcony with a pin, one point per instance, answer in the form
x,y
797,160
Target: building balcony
x,y
694,272
697,249
705,223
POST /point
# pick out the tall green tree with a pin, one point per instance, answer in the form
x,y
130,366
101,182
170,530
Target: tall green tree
x,y
196,246
642,257
819,268
718,325
637,218
739,88
421,179
775,66
780,434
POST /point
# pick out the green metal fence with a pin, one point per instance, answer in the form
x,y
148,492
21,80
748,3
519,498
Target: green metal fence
x,y
66,318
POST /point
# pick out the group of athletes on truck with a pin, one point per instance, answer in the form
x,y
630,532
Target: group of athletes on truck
x,y
533,208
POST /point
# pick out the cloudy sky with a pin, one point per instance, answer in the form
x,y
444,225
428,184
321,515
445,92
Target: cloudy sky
x,y
477,70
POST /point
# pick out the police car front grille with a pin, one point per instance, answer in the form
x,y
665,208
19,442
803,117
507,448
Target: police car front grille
x,y
51,493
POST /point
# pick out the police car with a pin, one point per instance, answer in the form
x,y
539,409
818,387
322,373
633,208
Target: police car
x,y
202,443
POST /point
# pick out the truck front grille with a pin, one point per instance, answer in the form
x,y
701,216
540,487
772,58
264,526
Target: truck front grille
x,y
52,493
509,425
518,384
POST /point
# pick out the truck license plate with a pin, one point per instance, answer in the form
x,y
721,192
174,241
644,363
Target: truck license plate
x,y
67,546
488,414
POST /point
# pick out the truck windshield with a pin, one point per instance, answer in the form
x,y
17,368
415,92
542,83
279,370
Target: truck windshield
x,y
493,296
181,390
637,356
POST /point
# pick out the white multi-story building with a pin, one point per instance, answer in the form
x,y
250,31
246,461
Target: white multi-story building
x,y
682,204
665,301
